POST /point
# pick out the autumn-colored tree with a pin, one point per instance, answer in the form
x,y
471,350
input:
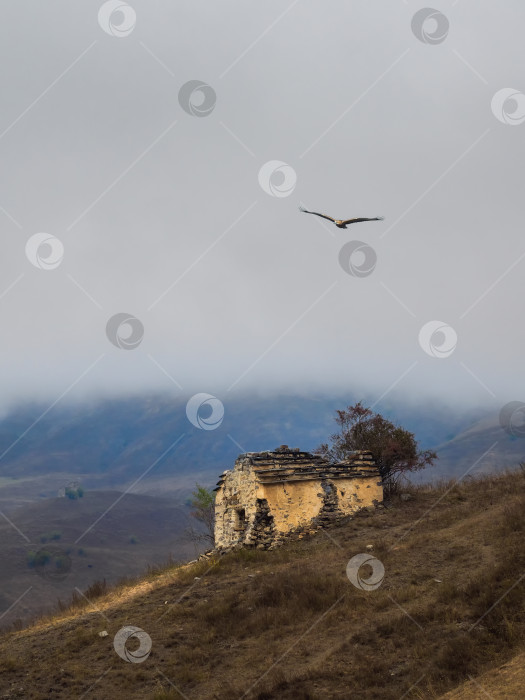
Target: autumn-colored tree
x,y
395,450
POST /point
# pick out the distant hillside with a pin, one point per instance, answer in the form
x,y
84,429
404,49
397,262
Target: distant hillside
x,y
482,448
111,442
135,531
288,624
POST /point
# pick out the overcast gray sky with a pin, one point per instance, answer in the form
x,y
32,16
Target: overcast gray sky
x,y
164,215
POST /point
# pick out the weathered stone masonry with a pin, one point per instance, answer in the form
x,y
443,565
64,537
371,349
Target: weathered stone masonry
x,y
269,496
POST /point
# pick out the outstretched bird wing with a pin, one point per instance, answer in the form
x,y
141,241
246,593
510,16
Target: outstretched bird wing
x,y
356,221
316,214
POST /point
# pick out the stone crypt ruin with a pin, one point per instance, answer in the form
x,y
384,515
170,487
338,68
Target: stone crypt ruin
x,y
271,496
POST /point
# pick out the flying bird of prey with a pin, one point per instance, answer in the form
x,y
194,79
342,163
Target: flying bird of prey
x,y
340,223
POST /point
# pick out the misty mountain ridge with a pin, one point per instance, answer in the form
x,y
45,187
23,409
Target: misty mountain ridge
x,y
112,441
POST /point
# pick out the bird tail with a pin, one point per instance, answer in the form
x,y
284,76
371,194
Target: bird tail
x,y
301,208
380,218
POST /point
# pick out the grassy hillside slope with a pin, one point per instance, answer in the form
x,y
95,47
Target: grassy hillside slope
x,y
136,530
502,683
289,624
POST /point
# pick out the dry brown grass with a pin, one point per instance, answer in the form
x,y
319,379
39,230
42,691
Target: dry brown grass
x,y
288,623
502,683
